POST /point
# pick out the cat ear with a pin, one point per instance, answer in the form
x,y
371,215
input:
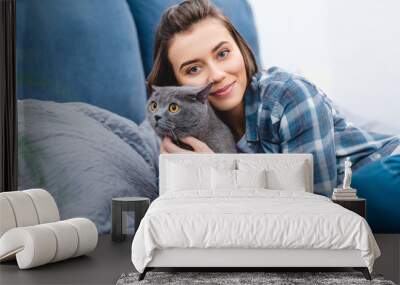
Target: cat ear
x,y
150,88
153,88
203,93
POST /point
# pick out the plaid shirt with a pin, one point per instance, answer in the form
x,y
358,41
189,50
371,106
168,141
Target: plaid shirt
x,y
285,113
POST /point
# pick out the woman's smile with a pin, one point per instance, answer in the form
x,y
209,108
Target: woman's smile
x,y
225,91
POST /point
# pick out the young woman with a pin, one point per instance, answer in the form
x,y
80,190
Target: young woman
x,y
269,111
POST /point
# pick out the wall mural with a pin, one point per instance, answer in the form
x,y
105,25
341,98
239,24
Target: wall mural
x,y
81,69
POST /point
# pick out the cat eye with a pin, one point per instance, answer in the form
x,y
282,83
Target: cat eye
x,y
173,108
152,106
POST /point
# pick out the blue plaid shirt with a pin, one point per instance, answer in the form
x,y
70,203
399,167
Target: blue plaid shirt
x,y
286,113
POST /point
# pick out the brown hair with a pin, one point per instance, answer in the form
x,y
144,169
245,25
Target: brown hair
x,y
179,18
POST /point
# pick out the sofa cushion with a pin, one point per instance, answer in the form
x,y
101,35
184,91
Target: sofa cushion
x,y
147,15
84,156
71,51
379,183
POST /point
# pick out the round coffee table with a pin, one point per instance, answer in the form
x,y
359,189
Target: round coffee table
x,y
121,206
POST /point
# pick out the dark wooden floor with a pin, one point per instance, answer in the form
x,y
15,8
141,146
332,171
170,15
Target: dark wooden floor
x,y
102,266
111,259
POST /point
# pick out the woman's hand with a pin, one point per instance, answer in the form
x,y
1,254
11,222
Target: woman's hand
x,y
167,146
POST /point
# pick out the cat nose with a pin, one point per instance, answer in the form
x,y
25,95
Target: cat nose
x,y
157,117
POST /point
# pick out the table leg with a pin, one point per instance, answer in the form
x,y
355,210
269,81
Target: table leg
x,y
116,217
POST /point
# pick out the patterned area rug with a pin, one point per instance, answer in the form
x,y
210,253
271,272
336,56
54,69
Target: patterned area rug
x,y
269,278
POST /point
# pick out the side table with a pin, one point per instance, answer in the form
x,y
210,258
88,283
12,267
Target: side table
x,y
121,206
357,205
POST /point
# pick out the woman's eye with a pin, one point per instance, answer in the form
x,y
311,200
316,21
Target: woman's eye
x,y
152,106
173,108
224,53
193,70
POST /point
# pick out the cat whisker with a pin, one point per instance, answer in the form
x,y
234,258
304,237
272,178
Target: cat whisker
x,y
173,134
161,125
170,124
164,125
175,137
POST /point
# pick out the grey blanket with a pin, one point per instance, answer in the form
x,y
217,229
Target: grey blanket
x,y
84,155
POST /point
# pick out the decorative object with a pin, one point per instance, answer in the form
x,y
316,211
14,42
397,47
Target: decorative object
x,y
345,192
31,231
347,174
243,278
120,209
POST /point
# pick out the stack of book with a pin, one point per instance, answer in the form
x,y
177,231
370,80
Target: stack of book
x,y
344,194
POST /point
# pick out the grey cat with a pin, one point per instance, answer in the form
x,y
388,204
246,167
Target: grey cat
x,y
181,111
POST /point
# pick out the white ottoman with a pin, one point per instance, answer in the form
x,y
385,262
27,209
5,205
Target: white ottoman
x,y
31,232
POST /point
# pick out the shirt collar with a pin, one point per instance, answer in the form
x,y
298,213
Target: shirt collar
x,y
252,102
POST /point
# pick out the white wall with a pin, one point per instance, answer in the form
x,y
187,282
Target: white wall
x,y
350,49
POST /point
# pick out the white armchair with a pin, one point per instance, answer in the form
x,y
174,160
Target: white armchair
x,y
31,230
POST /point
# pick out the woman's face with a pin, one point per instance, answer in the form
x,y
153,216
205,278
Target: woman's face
x,y
207,52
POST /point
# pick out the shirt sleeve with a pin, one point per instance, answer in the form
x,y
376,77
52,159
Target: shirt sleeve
x,y
306,126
